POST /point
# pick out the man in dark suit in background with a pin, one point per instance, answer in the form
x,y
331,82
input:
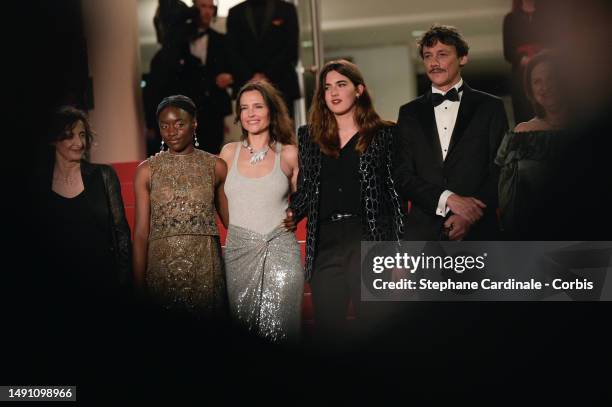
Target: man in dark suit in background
x,y
446,141
262,38
193,62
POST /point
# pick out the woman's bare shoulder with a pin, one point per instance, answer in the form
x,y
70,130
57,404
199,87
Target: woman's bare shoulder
x,y
534,124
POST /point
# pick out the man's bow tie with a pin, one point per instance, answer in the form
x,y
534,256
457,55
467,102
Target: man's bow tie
x,y
452,95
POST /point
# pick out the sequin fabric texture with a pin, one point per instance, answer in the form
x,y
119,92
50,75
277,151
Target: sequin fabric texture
x,y
184,268
382,214
265,282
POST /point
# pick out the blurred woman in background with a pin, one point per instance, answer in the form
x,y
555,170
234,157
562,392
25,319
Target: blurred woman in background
x,y
521,36
530,183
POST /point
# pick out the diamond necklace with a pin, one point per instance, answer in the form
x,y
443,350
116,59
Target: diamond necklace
x,y
256,156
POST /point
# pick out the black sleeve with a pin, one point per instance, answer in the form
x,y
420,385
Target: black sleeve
x,y
299,199
510,36
288,57
409,184
120,228
240,67
395,204
217,60
488,193
222,60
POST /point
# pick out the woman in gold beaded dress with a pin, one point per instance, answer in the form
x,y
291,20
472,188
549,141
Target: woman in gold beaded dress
x,y
177,255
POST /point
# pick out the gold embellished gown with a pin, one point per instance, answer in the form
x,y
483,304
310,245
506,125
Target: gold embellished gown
x,y
184,267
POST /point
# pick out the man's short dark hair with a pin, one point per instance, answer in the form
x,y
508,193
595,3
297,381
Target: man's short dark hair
x,y
447,35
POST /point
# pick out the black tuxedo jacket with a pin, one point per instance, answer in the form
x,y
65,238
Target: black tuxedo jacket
x,y
199,81
175,71
273,51
468,170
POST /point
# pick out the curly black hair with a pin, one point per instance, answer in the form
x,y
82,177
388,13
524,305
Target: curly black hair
x,y
447,35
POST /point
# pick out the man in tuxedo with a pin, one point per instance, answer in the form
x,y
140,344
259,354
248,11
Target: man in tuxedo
x,y
446,141
193,62
262,38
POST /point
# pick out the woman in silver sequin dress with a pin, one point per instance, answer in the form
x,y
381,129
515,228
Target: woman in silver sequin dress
x,y
177,255
264,274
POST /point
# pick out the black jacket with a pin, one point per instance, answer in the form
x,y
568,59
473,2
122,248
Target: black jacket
x,y
273,52
175,71
103,194
468,170
379,222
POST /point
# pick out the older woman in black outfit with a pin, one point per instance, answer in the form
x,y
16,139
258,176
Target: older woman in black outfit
x,y
346,191
88,235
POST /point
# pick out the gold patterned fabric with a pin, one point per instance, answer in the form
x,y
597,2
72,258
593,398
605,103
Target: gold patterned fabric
x,y
184,268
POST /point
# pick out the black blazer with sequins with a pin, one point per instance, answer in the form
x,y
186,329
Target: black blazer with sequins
x,y
379,222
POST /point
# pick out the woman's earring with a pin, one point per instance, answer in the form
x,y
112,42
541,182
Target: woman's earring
x,y
195,138
161,148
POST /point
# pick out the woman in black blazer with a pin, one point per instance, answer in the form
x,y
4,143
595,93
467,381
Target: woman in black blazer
x,y
346,191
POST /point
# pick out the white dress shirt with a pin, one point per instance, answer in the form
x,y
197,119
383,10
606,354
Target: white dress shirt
x,y
446,117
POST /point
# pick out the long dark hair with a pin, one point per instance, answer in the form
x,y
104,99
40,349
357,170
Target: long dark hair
x,y
323,125
281,126
64,120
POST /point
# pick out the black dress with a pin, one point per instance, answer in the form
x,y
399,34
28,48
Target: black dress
x,y
529,184
84,248
88,240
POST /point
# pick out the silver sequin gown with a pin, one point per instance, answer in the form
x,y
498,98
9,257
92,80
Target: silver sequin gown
x,y
265,280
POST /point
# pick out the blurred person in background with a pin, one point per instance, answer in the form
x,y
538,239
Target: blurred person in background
x,y
581,33
193,61
522,40
262,39
529,155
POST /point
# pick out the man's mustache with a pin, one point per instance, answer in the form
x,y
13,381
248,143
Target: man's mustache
x,y
436,70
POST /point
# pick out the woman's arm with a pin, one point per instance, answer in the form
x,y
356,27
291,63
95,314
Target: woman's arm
x,y
299,199
290,165
142,191
220,197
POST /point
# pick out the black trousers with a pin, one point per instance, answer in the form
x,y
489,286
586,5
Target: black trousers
x,y
336,279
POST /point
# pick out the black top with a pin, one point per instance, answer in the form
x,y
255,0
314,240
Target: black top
x,y
340,186
83,246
